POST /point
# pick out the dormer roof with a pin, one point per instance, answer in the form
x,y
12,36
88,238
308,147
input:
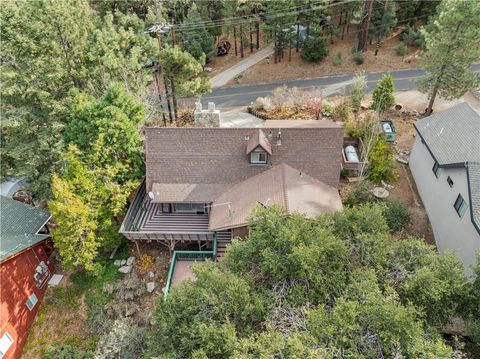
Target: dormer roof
x,y
259,140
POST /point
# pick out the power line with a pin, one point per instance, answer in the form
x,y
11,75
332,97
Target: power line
x,y
249,18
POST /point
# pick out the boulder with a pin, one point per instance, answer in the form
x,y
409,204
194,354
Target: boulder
x,y
123,262
130,261
117,262
151,274
150,287
125,269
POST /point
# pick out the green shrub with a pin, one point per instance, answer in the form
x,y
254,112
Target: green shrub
x,y
396,214
361,194
361,127
124,340
413,37
358,58
343,112
357,93
383,93
327,109
337,58
401,49
315,49
66,352
381,166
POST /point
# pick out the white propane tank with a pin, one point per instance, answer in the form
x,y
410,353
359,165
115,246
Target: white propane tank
x,y
351,154
387,128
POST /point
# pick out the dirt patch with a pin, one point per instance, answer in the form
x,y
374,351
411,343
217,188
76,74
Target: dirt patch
x,y
403,188
58,323
386,60
63,316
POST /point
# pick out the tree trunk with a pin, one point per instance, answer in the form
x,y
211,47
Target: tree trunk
x,y
174,99
257,26
157,82
289,52
298,38
382,28
348,23
241,41
429,109
235,39
341,17
363,34
251,37
275,49
167,97
345,22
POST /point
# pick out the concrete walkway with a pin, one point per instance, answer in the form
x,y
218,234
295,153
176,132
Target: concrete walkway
x,y
223,77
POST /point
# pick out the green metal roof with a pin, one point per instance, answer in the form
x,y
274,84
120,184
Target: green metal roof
x,y
19,224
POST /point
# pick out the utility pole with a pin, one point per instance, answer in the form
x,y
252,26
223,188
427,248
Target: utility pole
x,y
382,28
363,34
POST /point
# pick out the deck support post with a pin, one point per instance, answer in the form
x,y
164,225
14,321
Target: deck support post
x,y
138,249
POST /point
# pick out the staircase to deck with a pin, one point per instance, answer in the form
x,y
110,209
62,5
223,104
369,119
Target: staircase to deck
x,y
224,238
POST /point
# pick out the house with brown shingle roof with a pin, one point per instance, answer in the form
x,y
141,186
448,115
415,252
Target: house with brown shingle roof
x,y
201,184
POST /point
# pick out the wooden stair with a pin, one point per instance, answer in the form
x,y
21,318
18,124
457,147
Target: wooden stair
x,y
223,239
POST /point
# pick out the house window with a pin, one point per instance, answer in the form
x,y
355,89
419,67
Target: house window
x,y
32,300
6,342
258,157
436,169
460,205
190,207
450,182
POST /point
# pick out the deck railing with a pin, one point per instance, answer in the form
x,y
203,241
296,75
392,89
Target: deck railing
x,y
133,210
188,256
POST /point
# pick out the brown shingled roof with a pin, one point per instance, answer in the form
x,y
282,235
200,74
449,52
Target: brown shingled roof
x,y
259,139
217,156
282,185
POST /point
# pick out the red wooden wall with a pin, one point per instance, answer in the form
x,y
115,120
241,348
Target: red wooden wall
x,y
16,286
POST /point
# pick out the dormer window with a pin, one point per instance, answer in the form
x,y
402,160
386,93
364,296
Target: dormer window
x,y
258,148
258,157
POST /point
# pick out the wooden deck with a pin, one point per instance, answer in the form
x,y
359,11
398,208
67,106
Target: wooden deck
x,y
182,271
156,221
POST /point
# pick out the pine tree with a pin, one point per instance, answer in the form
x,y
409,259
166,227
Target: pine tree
x,y
47,48
383,93
184,74
197,40
452,40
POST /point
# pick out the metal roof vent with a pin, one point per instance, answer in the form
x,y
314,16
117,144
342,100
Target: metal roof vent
x,y
279,138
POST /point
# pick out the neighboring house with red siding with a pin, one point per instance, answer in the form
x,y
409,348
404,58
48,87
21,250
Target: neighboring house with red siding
x,y
24,271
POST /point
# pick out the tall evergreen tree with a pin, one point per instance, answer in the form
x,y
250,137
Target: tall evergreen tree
x,y
47,48
196,39
184,74
451,40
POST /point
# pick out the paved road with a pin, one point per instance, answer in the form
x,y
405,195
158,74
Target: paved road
x,y
245,94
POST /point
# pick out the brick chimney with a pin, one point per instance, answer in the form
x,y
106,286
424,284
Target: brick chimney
x,y
206,118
